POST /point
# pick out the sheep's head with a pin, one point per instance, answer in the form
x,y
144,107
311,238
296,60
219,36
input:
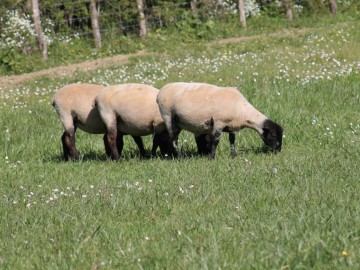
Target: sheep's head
x,y
272,135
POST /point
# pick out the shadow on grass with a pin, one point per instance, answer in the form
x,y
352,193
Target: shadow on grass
x,y
89,156
102,157
261,150
127,155
189,153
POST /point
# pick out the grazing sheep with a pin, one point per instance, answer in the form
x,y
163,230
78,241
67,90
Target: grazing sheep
x,y
74,106
132,109
207,110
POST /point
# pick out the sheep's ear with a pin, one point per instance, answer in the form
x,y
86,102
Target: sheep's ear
x,y
266,132
271,127
268,135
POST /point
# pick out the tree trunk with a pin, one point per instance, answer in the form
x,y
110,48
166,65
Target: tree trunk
x,y
287,5
142,23
332,6
38,29
241,6
193,6
94,15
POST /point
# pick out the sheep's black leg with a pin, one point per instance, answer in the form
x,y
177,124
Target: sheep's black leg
x,y
215,141
140,145
107,146
113,144
68,141
120,143
64,139
156,143
174,134
174,140
163,141
232,144
203,142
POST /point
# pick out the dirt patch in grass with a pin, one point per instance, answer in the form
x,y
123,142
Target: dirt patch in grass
x,y
68,70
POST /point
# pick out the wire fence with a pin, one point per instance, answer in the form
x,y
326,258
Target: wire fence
x,y
73,18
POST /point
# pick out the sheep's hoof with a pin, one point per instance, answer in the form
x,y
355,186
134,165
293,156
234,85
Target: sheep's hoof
x,y
75,156
116,159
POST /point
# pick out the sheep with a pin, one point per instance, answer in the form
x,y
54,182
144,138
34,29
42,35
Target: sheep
x,y
207,110
132,109
74,106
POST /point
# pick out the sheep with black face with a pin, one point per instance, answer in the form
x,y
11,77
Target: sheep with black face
x,y
207,110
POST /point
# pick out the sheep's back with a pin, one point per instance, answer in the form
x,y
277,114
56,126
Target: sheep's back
x,y
75,101
195,105
134,106
77,97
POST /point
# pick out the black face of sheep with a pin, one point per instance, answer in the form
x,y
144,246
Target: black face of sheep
x,y
272,135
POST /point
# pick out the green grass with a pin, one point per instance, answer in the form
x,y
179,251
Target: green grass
x,y
298,209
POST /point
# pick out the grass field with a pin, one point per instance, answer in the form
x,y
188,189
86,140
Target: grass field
x,y
295,210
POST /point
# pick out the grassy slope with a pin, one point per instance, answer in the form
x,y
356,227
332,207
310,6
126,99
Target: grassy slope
x,y
298,209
